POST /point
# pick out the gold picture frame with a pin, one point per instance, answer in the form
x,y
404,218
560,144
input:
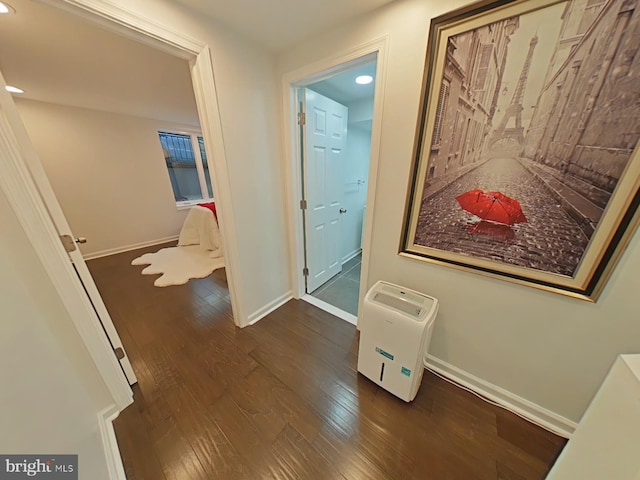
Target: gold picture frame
x,y
526,163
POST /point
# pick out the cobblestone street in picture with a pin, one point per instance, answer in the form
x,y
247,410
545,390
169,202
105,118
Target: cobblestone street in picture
x,y
540,106
550,240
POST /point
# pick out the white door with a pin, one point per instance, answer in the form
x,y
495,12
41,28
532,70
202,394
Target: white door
x,y
46,192
325,139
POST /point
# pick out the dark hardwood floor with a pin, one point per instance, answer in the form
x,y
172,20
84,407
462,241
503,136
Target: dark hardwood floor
x,y
282,399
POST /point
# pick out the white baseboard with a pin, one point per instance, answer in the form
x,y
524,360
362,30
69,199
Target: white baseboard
x,y
269,307
527,409
110,443
327,307
353,254
128,248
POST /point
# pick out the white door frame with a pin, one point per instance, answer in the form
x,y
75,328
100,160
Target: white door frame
x,y
304,76
24,198
17,184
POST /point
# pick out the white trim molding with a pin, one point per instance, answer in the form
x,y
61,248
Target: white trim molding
x,y
130,24
327,307
23,195
110,443
124,21
141,28
525,408
262,312
304,76
207,102
351,255
127,248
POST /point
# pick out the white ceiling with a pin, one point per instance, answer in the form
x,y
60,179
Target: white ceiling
x,y
280,24
343,88
59,58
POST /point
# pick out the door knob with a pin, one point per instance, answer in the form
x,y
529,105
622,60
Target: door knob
x,y
81,240
343,210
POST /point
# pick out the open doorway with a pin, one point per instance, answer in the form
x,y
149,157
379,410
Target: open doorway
x,y
94,111
336,117
66,100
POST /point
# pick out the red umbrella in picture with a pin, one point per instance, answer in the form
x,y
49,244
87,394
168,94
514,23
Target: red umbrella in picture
x,y
492,206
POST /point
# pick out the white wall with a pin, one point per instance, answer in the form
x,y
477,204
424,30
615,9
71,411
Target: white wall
x,y
356,168
51,391
605,444
108,172
550,349
361,111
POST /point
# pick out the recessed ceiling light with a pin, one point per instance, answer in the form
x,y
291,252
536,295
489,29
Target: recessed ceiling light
x,y
12,89
6,8
364,79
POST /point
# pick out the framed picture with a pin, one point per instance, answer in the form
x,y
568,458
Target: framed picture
x,y
526,163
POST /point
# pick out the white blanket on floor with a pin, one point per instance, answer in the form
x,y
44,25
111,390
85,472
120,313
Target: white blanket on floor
x,y
201,228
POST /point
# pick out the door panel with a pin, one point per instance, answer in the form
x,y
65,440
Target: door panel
x,y
325,136
59,220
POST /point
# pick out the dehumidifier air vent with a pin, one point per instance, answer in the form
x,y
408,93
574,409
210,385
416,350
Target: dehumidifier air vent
x,y
398,304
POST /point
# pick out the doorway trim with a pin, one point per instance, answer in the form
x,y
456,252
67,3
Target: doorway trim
x,y
24,197
304,76
143,29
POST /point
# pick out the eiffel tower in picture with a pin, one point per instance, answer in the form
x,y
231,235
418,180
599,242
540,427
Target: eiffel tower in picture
x,y
510,137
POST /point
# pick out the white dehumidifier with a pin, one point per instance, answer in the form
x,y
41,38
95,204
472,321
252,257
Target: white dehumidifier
x,y
395,330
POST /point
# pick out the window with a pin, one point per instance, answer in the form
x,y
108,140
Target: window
x,y
186,161
443,101
483,67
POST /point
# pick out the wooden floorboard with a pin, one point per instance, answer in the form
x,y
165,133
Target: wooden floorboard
x,y
282,399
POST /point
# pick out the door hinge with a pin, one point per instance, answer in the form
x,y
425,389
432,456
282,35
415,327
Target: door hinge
x,y
119,353
302,118
68,243
303,204
305,271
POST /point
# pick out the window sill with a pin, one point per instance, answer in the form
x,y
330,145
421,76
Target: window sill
x,y
186,205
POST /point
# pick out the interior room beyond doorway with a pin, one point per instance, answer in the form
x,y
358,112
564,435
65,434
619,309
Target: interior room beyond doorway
x,y
354,90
